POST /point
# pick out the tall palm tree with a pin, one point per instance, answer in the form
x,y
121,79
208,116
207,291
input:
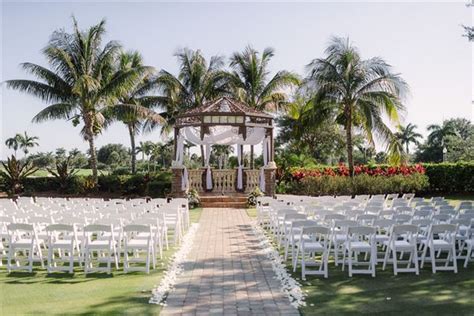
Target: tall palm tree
x,y
222,153
354,92
250,82
25,142
438,133
407,135
197,81
12,143
80,83
137,111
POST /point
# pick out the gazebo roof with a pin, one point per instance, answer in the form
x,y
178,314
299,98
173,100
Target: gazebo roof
x,y
224,111
226,105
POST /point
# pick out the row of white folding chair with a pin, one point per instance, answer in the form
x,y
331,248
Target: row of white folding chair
x,y
64,246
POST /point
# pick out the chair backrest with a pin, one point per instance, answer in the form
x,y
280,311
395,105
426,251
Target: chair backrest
x,y
331,217
441,218
443,228
422,222
361,230
96,228
295,217
59,228
345,223
20,227
137,228
404,229
402,218
315,230
384,223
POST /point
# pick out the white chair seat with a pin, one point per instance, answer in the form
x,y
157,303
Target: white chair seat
x,y
313,246
400,244
62,244
136,243
359,246
99,244
22,243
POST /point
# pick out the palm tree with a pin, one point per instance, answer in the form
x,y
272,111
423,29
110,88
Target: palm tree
x,y
354,92
146,148
250,83
137,112
25,142
407,135
81,82
438,133
222,153
12,143
198,81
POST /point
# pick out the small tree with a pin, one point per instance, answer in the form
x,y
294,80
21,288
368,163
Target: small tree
x,y
63,172
14,173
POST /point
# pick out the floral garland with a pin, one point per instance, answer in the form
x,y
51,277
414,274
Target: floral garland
x,y
161,291
289,286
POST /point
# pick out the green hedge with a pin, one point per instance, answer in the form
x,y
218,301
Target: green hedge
x,y
451,177
156,185
361,184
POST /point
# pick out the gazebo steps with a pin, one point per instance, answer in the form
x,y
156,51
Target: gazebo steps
x,y
224,201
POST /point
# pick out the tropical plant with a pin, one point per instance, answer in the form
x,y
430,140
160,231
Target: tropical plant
x,y
12,143
14,172
81,82
25,142
197,81
138,110
438,133
354,92
63,172
407,135
251,84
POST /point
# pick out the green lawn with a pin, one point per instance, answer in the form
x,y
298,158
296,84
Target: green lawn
x,y
80,172
59,293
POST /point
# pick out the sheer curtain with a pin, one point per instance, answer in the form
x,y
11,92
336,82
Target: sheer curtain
x,y
208,168
265,145
240,184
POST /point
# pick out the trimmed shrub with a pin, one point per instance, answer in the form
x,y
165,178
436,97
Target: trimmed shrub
x,y
156,185
451,177
361,184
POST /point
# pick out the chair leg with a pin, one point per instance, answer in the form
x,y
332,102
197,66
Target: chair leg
x,y
433,259
468,255
394,261
349,256
303,264
455,261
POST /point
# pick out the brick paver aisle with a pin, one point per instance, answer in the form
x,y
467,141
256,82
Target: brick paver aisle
x,y
226,272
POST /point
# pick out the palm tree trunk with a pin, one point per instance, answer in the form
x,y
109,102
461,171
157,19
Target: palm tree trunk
x,y
350,147
252,162
93,156
132,145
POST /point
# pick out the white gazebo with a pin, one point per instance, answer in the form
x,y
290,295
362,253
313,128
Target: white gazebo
x,y
224,122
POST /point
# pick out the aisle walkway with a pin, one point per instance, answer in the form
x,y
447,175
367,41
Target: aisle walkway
x,y
227,272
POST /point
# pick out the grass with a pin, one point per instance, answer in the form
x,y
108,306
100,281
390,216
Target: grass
x,y
59,293
79,172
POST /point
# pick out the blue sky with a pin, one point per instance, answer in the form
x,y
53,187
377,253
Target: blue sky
x,y
421,40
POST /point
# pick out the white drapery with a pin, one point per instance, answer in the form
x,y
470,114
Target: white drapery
x,y
240,182
265,153
208,168
179,162
224,135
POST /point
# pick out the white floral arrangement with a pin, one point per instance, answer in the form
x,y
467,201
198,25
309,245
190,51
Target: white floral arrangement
x,y
289,285
161,291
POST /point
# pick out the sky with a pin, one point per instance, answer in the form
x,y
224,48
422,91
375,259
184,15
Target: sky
x,y
423,41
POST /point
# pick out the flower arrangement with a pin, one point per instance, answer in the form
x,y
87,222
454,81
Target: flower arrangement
x,y
252,197
193,198
342,170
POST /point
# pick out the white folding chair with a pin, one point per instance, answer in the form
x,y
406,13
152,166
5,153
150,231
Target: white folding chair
x,y
441,238
314,240
104,248
360,239
138,238
63,242
403,240
23,238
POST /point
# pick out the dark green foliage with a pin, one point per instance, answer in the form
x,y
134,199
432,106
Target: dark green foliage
x,y
14,174
451,177
156,185
360,184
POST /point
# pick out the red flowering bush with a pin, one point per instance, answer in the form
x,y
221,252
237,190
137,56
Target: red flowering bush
x,y
298,174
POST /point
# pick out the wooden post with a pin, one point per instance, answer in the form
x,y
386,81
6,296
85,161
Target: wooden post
x,y
176,133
